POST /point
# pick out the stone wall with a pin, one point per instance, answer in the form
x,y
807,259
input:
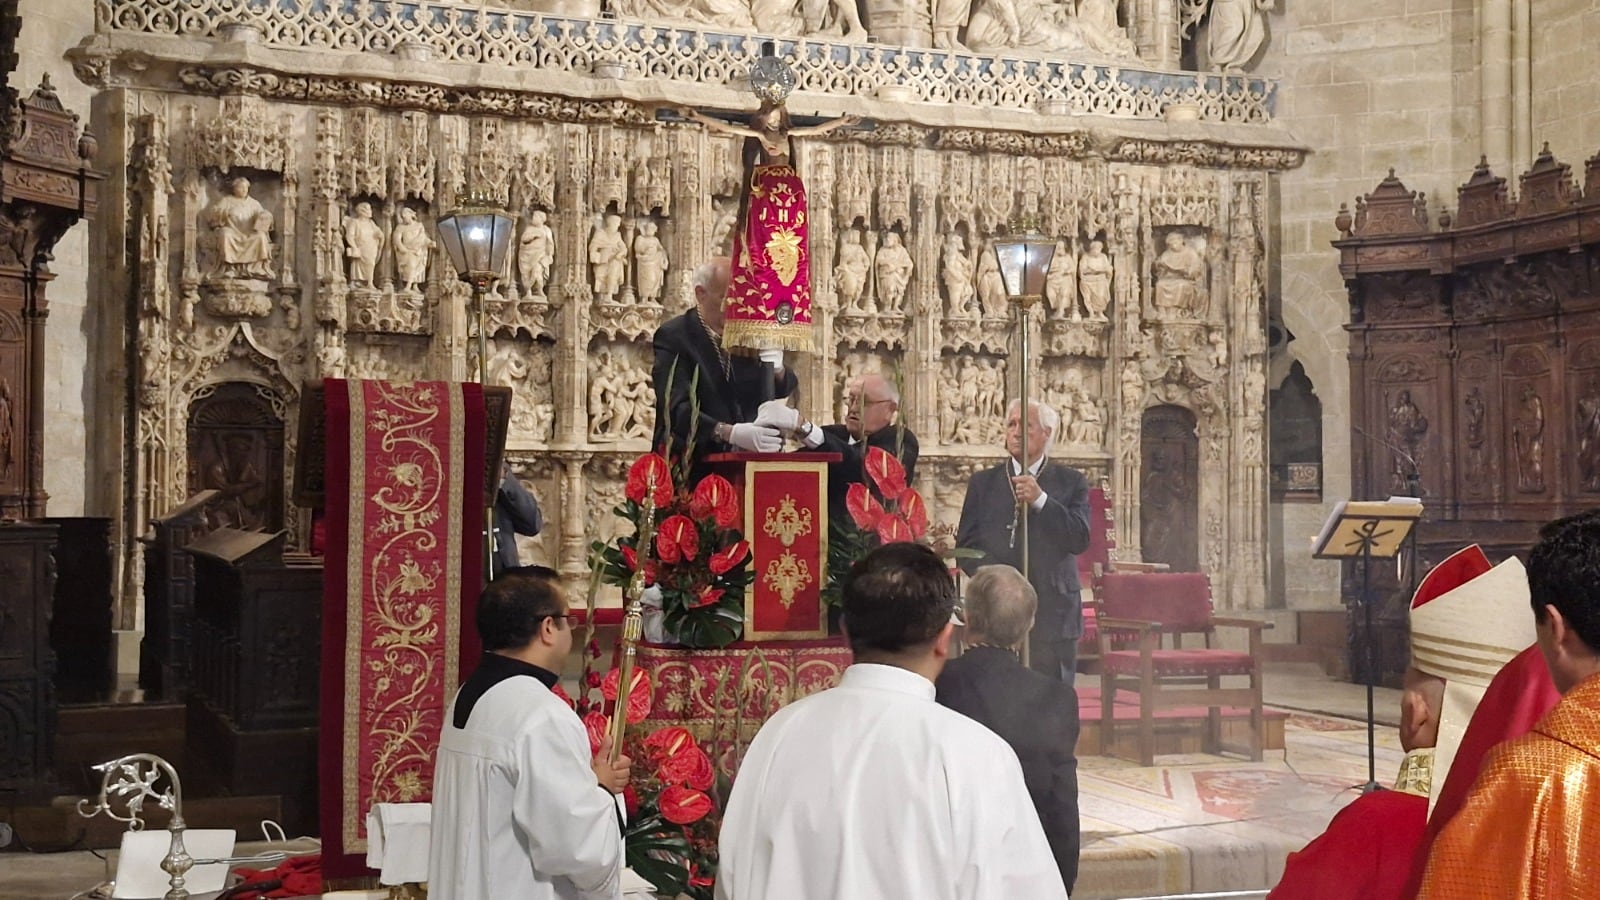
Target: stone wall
x,y
1369,85
1566,78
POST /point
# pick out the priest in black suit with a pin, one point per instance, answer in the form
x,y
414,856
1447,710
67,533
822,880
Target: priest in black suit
x,y
1035,714
871,404
1057,498
727,389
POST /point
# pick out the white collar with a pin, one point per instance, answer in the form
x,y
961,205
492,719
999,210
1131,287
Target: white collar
x,y
880,677
1016,468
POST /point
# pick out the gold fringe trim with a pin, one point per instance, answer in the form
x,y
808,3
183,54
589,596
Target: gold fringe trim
x,y
796,336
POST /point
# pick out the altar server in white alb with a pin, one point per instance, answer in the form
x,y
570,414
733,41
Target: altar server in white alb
x,y
871,789
520,809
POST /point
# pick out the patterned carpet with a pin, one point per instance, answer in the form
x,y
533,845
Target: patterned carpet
x,y
1210,823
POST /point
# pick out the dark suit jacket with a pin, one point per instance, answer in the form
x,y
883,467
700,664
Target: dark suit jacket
x,y
896,440
515,512
1038,716
1056,535
682,341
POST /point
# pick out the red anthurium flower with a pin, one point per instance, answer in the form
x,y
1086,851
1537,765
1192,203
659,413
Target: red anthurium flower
x,y
893,530
596,724
691,767
664,743
592,680
706,597
864,510
725,559
647,472
914,511
638,693
714,496
677,540
683,806
630,557
886,472
563,696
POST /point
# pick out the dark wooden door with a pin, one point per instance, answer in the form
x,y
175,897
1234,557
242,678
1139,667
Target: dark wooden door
x,y
1169,489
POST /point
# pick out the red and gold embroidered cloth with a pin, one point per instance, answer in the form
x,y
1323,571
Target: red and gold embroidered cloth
x,y
786,522
769,295
405,475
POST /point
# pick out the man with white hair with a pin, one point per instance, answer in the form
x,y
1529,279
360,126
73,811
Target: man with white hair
x,y
871,404
1050,500
704,393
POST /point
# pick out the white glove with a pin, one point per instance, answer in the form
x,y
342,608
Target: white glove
x,y
779,414
756,438
773,356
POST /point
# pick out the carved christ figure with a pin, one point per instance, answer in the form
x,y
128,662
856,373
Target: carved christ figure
x,y
242,230
769,295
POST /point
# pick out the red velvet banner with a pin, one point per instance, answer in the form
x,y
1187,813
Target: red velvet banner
x,y
405,475
786,523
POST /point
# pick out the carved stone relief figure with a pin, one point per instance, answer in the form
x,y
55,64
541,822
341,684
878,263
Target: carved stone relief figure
x,y
949,17
1527,437
363,240
1097,22
411,246
241,230
232,471
1094,281
894,273
536,253
602,389
8,430
991,287
608,253
1235,32
1089,425
1180,270
1407,427
525,368
1062,389
1061,284
1475,435
726,216
851,270
649,263
1000,25
957,277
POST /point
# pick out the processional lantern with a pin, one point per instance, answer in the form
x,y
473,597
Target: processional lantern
x,y
477,235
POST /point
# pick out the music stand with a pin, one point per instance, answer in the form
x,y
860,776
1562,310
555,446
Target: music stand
x,y
1367,530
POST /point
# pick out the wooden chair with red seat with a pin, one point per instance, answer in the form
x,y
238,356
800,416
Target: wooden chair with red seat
x,y
1153,605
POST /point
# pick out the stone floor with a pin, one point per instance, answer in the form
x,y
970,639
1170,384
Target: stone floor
x,y
1192,823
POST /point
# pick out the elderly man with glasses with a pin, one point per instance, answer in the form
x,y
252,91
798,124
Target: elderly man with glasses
x,y
872,403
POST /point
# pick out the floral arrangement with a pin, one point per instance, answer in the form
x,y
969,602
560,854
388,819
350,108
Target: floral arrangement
x,y
698,559
673,813
902,516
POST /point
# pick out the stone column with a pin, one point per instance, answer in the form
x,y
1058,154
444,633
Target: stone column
x,y
573,294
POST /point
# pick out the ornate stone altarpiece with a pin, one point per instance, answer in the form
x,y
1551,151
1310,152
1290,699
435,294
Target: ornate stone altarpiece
x,y
1475,343
279,170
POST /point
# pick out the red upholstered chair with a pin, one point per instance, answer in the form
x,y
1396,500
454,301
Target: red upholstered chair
x,y
1151,605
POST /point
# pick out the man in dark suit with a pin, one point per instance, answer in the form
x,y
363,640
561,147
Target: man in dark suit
x,y
871,404
1035,714
1054,501
515,512
712,394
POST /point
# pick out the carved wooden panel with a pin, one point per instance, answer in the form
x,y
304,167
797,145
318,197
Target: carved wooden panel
x,y
1170,494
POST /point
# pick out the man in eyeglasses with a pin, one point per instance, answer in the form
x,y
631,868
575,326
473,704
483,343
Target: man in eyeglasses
x,y
520,808
872,403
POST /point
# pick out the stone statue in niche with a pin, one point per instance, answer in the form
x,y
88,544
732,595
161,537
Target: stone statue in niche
x,y
1094,281
640,394
949,17
233,473
363,241
1061,284
1589,439
1061,392
536,253
1527,440
649,263
605,388
1407,427
411,245
330,359
608,253
991,399
850,272
1132,383
1476,434
1180,269
991,286
1042,27
1097,24
1235,32
958,408
241,229
1163,493
957,277
894,273
1088,422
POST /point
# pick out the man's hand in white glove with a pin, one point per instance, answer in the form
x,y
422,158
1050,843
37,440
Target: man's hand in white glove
x,y
773,356
779,414
756,438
